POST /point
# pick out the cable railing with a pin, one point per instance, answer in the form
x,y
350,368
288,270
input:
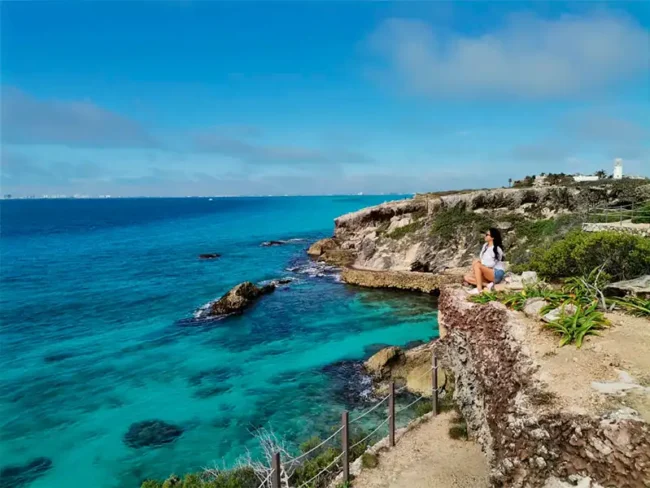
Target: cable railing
x,y
632,213
342,461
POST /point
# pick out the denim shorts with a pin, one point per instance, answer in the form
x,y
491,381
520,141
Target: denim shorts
x,y
498,275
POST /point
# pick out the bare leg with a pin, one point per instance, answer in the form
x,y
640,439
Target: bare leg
x,y
478,275
488,274
469,278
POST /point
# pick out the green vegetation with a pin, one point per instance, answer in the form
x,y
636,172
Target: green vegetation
x,y
459,428
533,234
582,293
525,183
632,305
642,215
622,255
310,444
423,408
574,327
406,229
233,478
450,221
369,461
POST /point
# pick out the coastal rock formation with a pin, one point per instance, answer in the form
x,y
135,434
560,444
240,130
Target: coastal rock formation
x,y
319,248
401,280
530,404
151,433
379,364
24,475
238,299
411,368
434,232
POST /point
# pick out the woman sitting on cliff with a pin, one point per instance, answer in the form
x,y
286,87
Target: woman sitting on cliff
x,y
489,268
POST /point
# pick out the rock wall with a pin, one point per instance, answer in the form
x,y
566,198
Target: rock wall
x,y
412,281
529,437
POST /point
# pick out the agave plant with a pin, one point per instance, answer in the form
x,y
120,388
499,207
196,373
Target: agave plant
x,y
573,328
634,305
485,297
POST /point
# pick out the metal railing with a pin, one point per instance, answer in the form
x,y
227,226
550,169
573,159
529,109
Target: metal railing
x,y
622,214
274,479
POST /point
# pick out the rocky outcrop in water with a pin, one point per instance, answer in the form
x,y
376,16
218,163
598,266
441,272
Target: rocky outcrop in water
x,y
151,433
411,368
22,476
236,300
213,255
538,423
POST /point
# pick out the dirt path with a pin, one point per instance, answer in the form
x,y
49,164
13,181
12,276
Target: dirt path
x,y
427,458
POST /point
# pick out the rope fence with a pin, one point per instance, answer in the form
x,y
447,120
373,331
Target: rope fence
x,y
274,479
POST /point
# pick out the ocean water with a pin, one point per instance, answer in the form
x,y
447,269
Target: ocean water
x,y
96,333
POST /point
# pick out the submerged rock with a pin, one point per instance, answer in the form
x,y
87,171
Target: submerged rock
x,y
213,255
20,476
281,242
151,433
350,383
272,243
236,300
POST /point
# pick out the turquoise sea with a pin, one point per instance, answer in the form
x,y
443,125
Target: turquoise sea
x,y
97,333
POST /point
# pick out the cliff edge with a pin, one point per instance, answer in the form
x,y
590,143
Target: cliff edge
x,y
546,415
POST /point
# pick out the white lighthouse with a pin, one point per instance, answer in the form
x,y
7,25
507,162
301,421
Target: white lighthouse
x,y
618,169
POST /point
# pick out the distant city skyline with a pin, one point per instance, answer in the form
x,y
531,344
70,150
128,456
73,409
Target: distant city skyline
x,y
185,98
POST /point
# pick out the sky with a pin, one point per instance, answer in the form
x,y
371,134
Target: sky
x,y
183,98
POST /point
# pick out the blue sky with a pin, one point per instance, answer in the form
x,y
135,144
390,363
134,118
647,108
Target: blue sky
x,y
220,98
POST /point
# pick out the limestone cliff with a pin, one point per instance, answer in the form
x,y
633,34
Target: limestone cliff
x,y
533,406
433,232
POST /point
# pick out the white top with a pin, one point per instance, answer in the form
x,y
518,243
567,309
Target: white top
x,y
487,257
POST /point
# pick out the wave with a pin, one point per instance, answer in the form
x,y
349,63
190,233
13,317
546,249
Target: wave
x,y
316,269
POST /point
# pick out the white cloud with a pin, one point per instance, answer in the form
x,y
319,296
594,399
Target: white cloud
x,y
27,119
529,57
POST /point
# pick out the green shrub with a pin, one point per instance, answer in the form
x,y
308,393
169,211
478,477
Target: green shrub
x,y
313,466
642,215
622,256
449,221
310,444
232,478
151,484
458,431
423,408
406,229
369,461
573,328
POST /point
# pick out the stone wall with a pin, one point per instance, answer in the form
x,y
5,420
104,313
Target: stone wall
x,y
401,280
528,437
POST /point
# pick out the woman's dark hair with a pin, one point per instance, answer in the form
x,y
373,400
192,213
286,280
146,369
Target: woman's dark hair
x,y
497,242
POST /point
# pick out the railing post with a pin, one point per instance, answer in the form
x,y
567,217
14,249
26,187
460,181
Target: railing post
x,y
345,446
391,415
275,475
434,384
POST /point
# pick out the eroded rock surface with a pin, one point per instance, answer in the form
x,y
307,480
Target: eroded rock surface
x,y
531,430
237,299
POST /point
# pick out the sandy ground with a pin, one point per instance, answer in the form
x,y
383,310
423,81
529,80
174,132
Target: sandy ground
x,y
427,458
608,372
